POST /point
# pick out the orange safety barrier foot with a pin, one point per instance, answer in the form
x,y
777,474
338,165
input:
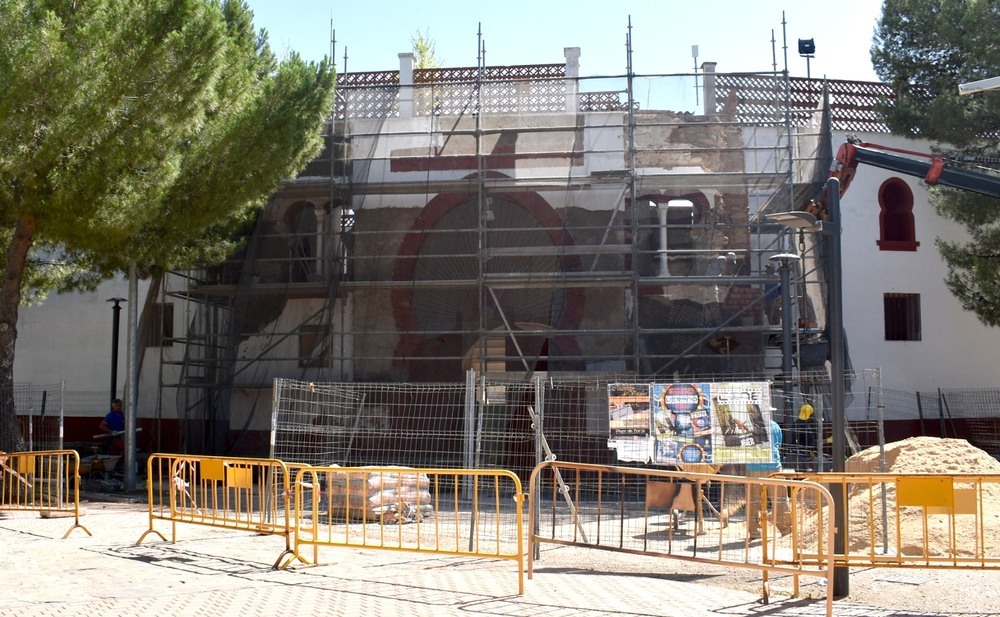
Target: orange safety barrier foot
x,y
146,533
281,563
292,556
278,562
77,525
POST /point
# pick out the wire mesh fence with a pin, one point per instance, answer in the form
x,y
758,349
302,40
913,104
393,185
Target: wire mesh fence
x,y
878,415
39,409
418,425
492,423
42,410
486,423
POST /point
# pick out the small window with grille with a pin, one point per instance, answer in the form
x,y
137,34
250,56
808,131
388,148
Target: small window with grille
x,y
902,317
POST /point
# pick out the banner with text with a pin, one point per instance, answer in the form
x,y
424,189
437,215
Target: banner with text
x,y
688,423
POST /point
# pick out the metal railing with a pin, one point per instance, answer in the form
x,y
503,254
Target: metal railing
x,y
624,510
445,511
234,493
46,481
917,520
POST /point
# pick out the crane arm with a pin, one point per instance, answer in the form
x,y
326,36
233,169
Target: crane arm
x,y
933,169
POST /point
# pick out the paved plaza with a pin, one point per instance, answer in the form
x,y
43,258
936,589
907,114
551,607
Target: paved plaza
x,y
215,572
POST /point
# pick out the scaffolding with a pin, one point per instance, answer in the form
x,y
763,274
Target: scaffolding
x,y
516,221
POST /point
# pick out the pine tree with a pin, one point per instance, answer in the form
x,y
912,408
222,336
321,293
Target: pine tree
x,y
136,131
925,48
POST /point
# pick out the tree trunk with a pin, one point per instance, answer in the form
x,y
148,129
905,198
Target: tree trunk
x,y
11,439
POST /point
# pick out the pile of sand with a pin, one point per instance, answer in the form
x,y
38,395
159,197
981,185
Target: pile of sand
x,y
925,455
974,534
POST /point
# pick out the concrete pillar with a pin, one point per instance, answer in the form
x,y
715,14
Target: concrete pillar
x,y
708,84
406,85
572,55
664,256
663,208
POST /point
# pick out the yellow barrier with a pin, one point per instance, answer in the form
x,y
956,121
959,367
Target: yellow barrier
x,y
453,511
233,493
917,520
47,481
622,509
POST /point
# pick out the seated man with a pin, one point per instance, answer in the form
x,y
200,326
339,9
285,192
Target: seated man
x,y
114,425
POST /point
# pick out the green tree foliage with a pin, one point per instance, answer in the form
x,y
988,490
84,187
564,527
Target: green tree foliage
x,y
424,52
136,131
925,48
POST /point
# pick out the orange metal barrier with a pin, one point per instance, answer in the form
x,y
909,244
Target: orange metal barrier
x,y
47,481
233,493
451,511
917,520
622,509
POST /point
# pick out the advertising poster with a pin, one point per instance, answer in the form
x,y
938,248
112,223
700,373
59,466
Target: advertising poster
x,y
630,421
688,423
682,421
742,420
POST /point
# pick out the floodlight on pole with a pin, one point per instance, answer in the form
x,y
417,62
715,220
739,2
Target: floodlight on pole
x,y
807,49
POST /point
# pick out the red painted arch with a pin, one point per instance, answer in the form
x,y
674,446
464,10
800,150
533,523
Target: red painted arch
x,y
405,266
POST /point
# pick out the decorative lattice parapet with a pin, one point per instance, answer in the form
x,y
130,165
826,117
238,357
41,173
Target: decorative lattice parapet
x,y
536,88
761,99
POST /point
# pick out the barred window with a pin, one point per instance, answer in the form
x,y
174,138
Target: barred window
x,y
902,317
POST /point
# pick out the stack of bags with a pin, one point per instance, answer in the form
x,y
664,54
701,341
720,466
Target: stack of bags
x,y
380,495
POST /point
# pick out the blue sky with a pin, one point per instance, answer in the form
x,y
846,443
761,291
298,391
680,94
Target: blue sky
x,y
734,33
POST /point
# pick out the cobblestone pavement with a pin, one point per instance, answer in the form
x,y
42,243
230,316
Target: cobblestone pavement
x,y
217,572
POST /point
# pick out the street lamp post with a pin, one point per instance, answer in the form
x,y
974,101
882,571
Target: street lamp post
x,y
836,328
830,231
115,321
785,261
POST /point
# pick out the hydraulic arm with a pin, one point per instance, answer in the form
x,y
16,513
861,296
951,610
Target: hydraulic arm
x,y
933,169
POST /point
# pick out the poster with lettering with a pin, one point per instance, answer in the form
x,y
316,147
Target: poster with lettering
x,y
682,423
629,421
742,413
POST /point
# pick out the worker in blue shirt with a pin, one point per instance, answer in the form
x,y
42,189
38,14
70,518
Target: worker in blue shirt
x,y
781,513
113,425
